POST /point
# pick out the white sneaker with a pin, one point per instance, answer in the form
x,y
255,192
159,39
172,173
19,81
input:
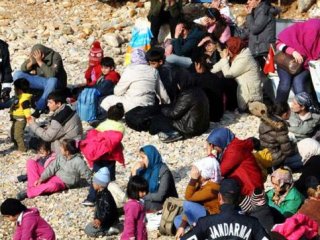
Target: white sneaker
x,y
113,231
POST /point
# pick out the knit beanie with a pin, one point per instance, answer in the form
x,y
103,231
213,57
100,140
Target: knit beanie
x,y
12,207
102,177
258,198
96,54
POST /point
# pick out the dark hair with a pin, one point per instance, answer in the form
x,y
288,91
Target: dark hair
x,y
213,13
22,84
107,62
12,207
203,60
44,145
185,80
70,145
116,112
279,108
136,184
155,54
230,198
187,24
221,23
58,96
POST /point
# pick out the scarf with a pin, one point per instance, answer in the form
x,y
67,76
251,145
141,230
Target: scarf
x,y
138,56
220,137
151,173
304,38
308,148
209,168
284,176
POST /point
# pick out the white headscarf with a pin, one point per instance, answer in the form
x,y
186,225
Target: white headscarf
x,y
307,148
209,168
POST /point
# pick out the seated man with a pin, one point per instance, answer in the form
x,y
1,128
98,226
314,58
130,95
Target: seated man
x,y
64,124
5,71
44,71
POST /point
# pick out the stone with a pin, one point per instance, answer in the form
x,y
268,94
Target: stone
x,y
304,5
31,2
112,39
67,4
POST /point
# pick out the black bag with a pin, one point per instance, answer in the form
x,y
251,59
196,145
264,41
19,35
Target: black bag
x,y
139,118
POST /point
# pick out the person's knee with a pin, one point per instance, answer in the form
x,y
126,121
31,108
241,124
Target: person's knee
x,y
18,74
187,206
52,83
31,163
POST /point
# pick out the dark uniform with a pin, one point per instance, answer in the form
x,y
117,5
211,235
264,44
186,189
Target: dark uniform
x,y
5,71
229,224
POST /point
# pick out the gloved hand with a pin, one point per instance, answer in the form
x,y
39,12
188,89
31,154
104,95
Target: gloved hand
x,y
5,94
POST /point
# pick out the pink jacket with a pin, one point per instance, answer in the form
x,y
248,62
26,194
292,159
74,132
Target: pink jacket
x,y
102,146
33,227
298,226
134,221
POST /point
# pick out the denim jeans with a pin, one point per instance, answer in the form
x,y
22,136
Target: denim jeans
x,y
48,85
111,165
298,82
193,211
180,61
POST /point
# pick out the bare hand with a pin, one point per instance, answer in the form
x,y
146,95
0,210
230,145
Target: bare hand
x,y
96,223
137,166
248,9
37,183
38,55
194,174
168,51
297,56
224,53
179,233
179,30
30,120
172,2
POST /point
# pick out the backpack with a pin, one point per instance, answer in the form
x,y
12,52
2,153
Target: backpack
x,y
171,208
87,104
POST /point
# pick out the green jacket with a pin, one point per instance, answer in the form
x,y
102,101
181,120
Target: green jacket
x,y
52,67
290,205
157,5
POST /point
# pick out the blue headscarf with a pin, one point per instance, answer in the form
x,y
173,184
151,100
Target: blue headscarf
x,y
151,173
220,137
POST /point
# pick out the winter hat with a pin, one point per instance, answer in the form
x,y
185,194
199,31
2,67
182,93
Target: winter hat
x,y
304,99
96,54
258,197
230,186
12,207
102,177
138,56
209,168
308,148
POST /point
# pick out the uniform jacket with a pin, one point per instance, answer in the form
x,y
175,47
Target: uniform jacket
x,y
190,112
106,209
273,134
167,188
22,109
238,162
228,225
5,66
33,226
134,221
65,124
303,129
246,72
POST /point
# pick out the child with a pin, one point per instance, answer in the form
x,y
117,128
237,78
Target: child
x,y
113,130
45,157
63,173
29,223
134,212
93,72
20,111
106,213
273,134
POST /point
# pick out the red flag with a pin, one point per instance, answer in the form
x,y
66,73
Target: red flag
x,y
269,65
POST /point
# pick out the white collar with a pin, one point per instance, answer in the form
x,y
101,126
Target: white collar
x,y
307,116
19,220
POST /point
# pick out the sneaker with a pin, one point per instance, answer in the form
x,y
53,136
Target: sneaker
x,y
87,203
22,195
173,137
162,135
113,231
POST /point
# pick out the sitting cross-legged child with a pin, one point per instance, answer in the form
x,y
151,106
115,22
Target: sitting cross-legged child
x,y
63,173
106,214
29,223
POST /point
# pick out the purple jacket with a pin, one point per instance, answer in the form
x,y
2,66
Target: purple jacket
x,y
33,227
134,221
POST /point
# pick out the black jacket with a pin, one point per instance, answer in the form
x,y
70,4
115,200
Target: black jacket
x,y
228,224
5,67
190,112
106,209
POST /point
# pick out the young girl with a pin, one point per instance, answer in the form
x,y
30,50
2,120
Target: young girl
x,y
63,173
29,223
134,212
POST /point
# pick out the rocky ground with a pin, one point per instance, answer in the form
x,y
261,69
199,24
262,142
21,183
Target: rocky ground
x,y
70,27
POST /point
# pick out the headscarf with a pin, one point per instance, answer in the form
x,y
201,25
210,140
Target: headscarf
x,y
151,173
304,38
304,99
308,148
45,50
221,137
284,176
235,45
138,56
209,168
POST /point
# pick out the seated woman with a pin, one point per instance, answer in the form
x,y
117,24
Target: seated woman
x,y
211,84
284,196
187,116
201,197
237,62
224,9
236,159
303,122
63,173
138,86
158,175
180,50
